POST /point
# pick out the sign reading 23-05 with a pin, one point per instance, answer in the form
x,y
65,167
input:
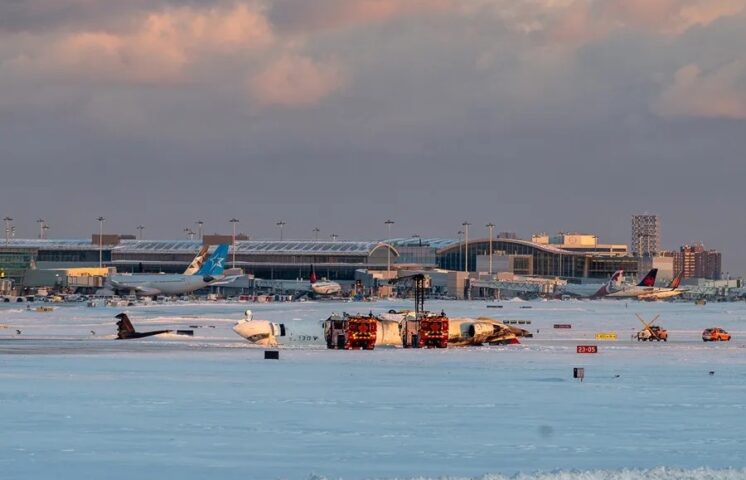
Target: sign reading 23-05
x,y
587,349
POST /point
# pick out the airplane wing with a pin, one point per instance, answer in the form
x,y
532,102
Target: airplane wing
x,y
147,291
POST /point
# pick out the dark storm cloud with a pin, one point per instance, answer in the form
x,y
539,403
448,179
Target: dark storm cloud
x,y
537,116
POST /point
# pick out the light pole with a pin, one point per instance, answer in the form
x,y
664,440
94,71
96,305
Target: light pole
x,y
45,228
101,221
281,224
140,228
460,243
333,236
388,223
491,227
316,233
200,232
7,221
189,233
466,245
234,221
41,228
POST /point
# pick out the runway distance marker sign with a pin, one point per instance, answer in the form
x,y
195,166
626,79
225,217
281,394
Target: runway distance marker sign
x,y
587,349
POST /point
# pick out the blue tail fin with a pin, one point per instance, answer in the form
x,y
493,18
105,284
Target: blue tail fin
x,y
216,263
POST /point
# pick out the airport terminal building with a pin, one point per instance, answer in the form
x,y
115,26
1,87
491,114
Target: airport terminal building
x,y
293,259
274,260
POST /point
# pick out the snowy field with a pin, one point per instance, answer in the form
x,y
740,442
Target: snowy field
x,y
77,404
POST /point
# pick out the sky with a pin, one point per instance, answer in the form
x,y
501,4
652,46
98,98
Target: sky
x,y
535,115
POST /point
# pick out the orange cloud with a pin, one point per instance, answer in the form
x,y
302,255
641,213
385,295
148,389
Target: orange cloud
x,y
720,93
295,80
158,47
579,21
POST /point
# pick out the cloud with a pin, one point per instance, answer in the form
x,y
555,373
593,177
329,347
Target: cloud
x,y
157,47
332,14
720,93
295,80
581,21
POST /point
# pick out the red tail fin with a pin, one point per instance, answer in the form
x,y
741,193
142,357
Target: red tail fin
x,y
676,281
649,280
312,277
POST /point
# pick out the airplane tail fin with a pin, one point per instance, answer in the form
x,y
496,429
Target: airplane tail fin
x,y
607,288
676,281
649,280
198,261
124,326
215,265
312,278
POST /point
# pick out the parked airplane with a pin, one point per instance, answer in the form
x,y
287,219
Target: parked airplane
x,y
174,284
646,285
323,287
593,290
672,290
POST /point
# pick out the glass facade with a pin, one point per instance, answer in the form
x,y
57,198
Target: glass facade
x,y
547,261
14,264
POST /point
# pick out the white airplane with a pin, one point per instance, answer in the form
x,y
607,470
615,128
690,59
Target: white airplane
x,y
593,290
672,290
323,287
646,285
174,284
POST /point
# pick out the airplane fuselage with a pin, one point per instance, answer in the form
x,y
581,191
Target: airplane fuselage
x,y
326,288
160,284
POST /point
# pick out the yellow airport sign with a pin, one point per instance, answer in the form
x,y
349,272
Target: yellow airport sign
x,y
606,336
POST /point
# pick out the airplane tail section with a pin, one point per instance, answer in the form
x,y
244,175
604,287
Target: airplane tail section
x,y
198,261
215,265
649,280
608,287
676,281
124,326
312,278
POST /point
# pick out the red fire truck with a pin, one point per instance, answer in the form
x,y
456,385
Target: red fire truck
x,y
349,332
425,332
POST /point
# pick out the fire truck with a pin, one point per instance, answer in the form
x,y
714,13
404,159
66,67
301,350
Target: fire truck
x,y
350,332
425,332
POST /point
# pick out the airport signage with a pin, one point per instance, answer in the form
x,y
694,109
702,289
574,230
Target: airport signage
x,y
587,349
606,336
562,325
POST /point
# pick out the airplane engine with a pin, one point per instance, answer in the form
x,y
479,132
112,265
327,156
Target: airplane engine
x,y
480,332
260,332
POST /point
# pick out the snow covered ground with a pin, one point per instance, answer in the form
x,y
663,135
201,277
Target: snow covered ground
x,y
74,403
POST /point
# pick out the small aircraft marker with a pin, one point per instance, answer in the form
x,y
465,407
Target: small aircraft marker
x,y
271,354
578,372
